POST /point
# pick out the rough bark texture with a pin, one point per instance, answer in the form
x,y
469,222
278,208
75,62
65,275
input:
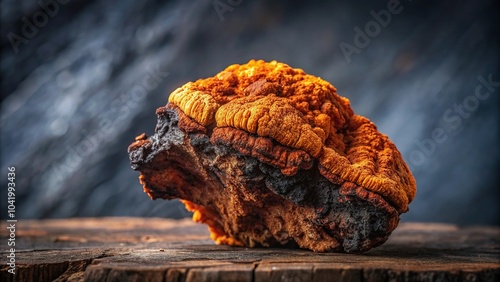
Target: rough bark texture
x,y
251,199
152,249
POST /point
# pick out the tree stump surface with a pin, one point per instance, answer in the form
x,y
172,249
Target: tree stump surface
x,y
153,249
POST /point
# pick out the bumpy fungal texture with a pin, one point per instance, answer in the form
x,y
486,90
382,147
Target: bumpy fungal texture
x,y
196,104
268,155
270,116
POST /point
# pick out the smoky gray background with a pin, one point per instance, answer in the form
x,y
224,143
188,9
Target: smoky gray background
x,y
71,104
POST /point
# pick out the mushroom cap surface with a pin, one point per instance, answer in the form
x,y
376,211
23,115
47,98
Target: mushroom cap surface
x,y
302,112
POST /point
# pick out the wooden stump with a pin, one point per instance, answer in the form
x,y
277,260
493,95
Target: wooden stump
x,y
152,249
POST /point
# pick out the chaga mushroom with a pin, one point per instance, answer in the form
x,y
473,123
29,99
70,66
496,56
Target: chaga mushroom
x,y
267,155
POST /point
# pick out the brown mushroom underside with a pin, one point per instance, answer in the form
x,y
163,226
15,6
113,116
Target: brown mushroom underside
x,y
267,155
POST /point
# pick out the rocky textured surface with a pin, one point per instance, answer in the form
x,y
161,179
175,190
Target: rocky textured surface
x,y
348,197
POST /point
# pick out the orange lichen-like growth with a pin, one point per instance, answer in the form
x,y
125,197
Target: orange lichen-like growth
x,y
196,104
373,162
304,112
270,116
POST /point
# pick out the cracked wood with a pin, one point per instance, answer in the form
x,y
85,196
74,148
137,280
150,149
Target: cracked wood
x,y
152,249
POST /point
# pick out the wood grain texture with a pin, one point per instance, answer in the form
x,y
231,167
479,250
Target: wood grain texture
x,y
152,249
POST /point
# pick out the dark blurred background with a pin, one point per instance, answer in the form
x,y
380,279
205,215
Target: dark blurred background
x,y
73,92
